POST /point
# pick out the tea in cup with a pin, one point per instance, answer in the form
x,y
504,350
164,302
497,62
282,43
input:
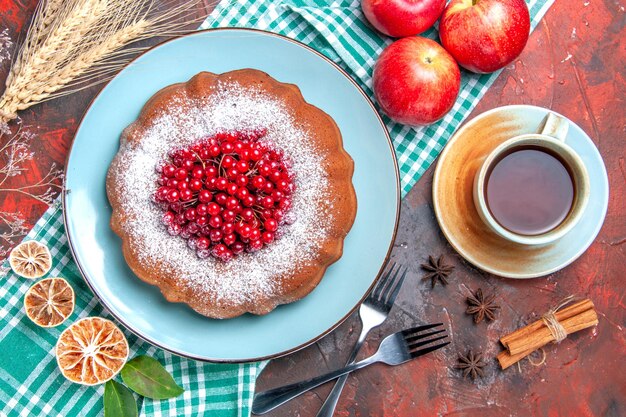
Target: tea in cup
x,y
532,189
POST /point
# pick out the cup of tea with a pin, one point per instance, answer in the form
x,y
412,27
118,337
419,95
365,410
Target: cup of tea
x,y
532,189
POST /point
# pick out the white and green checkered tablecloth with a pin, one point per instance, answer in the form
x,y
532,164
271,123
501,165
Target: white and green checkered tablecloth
x,y
31,385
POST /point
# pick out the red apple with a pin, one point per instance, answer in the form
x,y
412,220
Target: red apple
x,y
400,18
485,35
416,81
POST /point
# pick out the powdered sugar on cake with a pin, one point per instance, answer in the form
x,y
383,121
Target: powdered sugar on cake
x,y
251,275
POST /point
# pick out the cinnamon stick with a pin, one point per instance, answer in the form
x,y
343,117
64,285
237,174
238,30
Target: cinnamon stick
x,y
561,315
526,340
506,359
543,335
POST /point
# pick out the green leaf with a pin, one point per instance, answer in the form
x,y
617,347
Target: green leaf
x,y
118,401
147,377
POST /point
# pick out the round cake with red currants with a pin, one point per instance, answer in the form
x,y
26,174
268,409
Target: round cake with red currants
x,y
231,193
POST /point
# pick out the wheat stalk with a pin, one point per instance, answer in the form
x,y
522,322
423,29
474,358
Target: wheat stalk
x,y
73,44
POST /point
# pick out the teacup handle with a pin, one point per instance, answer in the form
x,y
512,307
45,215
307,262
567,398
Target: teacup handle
x,y
555,126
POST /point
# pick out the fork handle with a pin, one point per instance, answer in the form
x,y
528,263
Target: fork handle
x,y
328,408
268,400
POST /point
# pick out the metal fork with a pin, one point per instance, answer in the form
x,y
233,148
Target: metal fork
x,y
373,312
395,349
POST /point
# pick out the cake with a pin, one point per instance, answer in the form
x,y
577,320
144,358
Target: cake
x,y
227,243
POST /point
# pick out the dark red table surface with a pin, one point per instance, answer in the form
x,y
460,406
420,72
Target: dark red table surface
x,y
574,63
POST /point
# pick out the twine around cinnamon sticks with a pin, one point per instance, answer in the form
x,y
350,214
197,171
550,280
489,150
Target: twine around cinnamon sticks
x,y
554,326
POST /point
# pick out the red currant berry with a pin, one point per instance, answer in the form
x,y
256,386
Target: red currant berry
x,y
211,183
203,254
255,245
227,255
265,170
242,193
198,172
173,196
213,209
180,174
214,150
186,195
187,164
169,170
161,193
210,171
247,214
180,219
256,154
276,176
241,181
231,202
255,234
201,209
248,201
284,204
221,199
221,183
174,229
258,182
232,174
216,235
215,221
229,215
176,207
229,239
227,227
195,185
231,188
204,154
278,214
242,166
227,148
237,247
244,155
190,214
168,217
244,230
202,243
267,202
205,196
270,225
268,187
267,237
192,228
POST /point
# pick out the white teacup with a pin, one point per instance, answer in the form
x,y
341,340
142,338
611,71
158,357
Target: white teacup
x,y
552,138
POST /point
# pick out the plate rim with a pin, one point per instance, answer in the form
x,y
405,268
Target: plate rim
x,y
303,345
453,242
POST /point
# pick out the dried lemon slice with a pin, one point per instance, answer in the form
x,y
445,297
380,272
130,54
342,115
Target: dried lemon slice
x,y
49,302
30,259
91,351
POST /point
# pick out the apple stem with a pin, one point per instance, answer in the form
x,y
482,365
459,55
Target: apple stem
x,y
474,2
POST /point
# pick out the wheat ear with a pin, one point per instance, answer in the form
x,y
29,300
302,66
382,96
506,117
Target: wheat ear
x,y
73,44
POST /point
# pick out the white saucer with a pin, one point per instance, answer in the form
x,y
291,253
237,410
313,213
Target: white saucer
x,y
457,216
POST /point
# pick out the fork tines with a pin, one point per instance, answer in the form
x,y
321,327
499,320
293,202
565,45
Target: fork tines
x,y
389,284
415,339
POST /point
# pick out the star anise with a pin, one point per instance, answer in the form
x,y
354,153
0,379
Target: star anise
x,y
482,307
472,365
438,270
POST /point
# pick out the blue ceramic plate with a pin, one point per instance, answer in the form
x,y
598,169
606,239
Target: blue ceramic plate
x,y
175,327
